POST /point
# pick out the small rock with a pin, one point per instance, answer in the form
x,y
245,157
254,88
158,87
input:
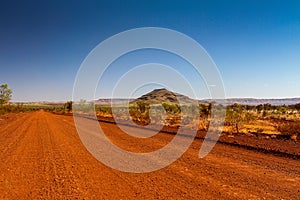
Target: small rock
x,y
294,137
273,136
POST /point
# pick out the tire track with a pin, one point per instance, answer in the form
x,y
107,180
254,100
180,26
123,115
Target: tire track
x,y
59,184
12,135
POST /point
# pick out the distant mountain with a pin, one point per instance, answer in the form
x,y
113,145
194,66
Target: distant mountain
x,y
159,96
156,96
112,101
252,101
163,95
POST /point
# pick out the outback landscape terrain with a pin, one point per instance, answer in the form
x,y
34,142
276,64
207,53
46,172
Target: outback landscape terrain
x,y
125,99
42,156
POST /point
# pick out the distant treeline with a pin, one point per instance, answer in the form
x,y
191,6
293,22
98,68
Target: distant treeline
x,y
30,107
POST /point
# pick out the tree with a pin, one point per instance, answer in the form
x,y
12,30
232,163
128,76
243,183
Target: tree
x,y
68,106
5,94
282,109
297,106
139,112
142,106
171,108
259,108
205,112
236,116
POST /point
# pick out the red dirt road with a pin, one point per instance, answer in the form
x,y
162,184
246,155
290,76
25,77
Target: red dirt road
x,y
42,157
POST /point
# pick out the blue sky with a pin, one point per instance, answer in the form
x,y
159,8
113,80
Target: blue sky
x,y
255,44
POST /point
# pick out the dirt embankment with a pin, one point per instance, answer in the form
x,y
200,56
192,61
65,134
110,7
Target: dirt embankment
x,y
42,157
255,141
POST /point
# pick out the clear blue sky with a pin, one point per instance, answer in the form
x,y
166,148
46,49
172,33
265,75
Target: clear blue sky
x,y
255,44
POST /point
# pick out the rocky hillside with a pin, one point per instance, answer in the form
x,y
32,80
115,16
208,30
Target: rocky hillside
x,y
163,95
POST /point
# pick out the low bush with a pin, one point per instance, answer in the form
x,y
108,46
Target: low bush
x,y
289,128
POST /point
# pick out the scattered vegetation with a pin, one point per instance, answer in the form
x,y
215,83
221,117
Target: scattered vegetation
x,y
237,116
261,119
8,107
30,107
139,112
291,129
5,94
